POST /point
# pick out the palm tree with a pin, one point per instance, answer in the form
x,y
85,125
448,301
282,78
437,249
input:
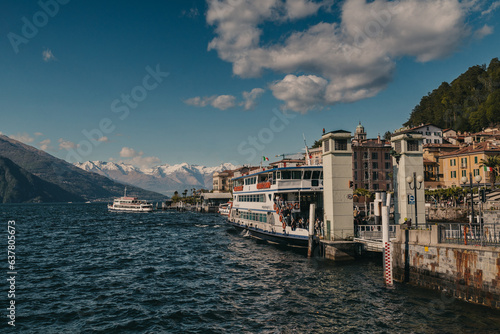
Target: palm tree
x,y
492,161
365,193
184,193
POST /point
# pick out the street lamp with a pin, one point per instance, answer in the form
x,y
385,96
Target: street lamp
x,y
415,179
478,179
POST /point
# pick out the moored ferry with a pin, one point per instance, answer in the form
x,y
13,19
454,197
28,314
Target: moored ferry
x,y
130,204
273,204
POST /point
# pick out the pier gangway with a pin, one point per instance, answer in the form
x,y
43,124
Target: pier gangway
x,y
370,236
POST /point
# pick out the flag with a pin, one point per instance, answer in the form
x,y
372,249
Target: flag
x,y
265,158
488,169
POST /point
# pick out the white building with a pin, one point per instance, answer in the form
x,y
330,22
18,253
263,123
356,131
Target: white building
x,y
431,133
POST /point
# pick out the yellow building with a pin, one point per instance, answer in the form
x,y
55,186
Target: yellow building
x,y
466,161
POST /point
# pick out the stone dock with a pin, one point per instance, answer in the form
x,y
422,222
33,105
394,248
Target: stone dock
x,y
467,272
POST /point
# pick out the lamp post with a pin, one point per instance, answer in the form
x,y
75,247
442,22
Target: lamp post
x,y
478,179
415,179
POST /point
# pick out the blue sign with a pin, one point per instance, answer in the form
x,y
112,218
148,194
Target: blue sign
x,y
411,199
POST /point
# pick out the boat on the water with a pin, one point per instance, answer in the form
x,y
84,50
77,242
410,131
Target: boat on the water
x,y
130,204
225,208
273,204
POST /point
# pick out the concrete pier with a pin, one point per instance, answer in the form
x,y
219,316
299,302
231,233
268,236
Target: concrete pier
x,y
469,273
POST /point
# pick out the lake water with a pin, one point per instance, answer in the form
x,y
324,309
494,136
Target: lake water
x,y
82,269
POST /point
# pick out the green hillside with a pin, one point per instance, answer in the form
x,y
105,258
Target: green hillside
x,y
19,186
470,103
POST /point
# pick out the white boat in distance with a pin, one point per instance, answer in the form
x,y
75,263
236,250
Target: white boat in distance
x,y
225,209
130,204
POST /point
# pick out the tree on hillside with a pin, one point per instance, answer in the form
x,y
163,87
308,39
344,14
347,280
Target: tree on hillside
x,y
469,103
493,162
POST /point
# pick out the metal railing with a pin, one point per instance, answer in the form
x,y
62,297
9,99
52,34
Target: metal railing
x,y
470,234
374,232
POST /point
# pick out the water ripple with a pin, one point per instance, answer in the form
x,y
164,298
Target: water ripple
x,y
85,270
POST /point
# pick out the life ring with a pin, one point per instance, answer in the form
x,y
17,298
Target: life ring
x,y
284,226
281,218
277,211
275,206
296,206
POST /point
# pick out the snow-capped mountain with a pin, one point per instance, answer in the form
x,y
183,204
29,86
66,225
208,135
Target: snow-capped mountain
x,y
164,179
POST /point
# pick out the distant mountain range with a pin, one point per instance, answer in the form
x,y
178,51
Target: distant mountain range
x,y
165,179
28,174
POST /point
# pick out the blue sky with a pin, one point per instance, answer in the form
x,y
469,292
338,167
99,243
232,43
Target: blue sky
x,y
207,82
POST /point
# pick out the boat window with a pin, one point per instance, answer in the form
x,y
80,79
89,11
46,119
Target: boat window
x,y
321,176
269,196
315,174
314,183
278,175
307,174
296,174
286,175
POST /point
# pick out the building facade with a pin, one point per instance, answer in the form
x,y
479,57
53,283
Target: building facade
x,y
431,133
467,161
371,162
433,171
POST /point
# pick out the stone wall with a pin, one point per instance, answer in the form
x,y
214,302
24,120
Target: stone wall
x,y
470,273
446,214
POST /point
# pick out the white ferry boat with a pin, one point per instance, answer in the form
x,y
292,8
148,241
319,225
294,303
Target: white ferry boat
x,y
130,204
273,204
225,209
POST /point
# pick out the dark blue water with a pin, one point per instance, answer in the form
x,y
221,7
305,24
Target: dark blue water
x,y
82,269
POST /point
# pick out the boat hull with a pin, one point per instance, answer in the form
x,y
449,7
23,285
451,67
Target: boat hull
x,y
273,237
113,209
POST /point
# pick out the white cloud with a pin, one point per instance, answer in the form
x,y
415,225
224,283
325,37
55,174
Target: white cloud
x,y
45,145
300,93
137,158
492,7
348,60
47,55
221,102
128,152
23,138
251,98
38,134
483,32
103,139
66,144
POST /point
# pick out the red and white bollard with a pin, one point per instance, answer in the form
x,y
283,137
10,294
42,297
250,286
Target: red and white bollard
x,y
387,243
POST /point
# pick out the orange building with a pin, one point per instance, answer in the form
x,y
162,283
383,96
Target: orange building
x,y
466,160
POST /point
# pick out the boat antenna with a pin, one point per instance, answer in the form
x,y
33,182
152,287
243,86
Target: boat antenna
x,y
125,194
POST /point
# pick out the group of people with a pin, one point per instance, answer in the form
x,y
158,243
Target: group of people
x,y
287,218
